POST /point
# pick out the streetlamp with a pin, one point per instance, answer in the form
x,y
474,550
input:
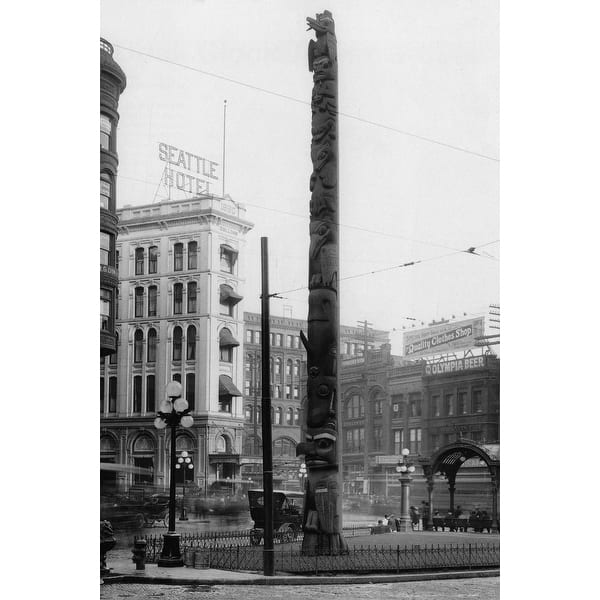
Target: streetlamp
x,y
302,475
405,468
172,413
183,462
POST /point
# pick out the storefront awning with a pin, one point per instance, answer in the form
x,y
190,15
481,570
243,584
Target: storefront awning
x,y
227,294
226,387
221,457
226,339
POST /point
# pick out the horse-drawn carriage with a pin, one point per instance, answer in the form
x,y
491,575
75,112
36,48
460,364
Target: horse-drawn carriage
x,y
287,515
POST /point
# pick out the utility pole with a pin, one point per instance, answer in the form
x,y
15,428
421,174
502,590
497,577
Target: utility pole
x,y
368,424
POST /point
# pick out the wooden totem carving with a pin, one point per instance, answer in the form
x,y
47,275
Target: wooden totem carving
x,y
323,496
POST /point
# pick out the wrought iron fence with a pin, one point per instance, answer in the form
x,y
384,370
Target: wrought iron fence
x,y
367,559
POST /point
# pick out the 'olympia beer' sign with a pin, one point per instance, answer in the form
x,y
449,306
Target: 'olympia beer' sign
x,y
442,338
186,171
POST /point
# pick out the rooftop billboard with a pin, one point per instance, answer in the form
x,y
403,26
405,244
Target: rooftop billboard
x,y
446,337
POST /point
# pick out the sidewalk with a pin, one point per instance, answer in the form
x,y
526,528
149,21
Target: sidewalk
x,y
124,571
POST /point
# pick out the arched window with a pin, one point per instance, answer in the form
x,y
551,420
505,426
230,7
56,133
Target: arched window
x,y
191,343
288,367
139,261
355,407
178,257
190,390
284,447
297,416
192,255
151,357
222,444
191,296
177,336
278,415
139,302
277,367
289,416
297,368
178,298
226,345
150,394
152,259
138,346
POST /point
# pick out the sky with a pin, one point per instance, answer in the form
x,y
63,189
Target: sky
x,y
418,140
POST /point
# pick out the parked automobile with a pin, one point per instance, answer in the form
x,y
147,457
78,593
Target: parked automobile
x,y
287,515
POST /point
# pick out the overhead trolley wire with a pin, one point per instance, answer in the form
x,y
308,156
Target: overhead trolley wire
x,y
297,100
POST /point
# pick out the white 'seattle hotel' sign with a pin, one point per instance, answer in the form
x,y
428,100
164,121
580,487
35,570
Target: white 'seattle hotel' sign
x,y
186,171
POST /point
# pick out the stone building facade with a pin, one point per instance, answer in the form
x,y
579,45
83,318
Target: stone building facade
x,y
181,282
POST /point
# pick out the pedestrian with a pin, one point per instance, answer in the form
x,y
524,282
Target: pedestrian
x,y
385,520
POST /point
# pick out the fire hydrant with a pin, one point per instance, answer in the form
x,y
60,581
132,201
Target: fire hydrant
x,y
139,554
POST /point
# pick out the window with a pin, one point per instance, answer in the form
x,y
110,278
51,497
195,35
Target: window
x,y
177,336
178,298
112,359
278,367
276,391
248,413
105,306
226,354
192,255
228,256
190,390
117,303
435,441
226,344
278,415
398,441
355,439
289,416
150,394
258,416
462,403
178,257
415,441
295,392
477,401
105,131
225,404
137,394
449,401
257,337
151,356
283,447
138,346
436,402
105,191
288,368
297,368
288,391
152,259
377,439
354,407
415,405
105,244
101,395
177,377
112,395
249,333
191,343
152,297
139,261
191,296
278,339
290,341
139,302
378,407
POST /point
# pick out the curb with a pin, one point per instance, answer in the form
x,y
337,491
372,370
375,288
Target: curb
x,y
303,580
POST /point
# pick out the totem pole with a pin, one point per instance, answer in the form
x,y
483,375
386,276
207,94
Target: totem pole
x,y
323,496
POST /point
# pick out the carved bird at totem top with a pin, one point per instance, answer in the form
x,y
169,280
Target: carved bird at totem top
x,y
325,45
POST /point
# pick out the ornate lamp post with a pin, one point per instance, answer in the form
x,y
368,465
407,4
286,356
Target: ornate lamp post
x,y
183,462
405,468
172,413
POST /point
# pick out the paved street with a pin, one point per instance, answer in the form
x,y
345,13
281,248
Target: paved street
x,y
485,588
